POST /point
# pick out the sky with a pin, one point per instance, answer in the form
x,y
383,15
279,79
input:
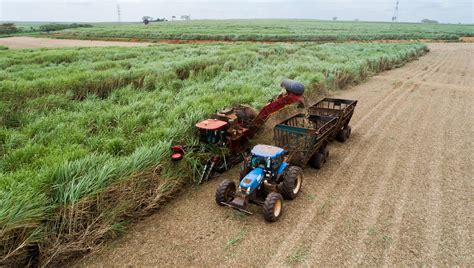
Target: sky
x,y
445,11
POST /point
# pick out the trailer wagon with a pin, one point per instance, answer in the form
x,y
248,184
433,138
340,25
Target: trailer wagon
x,y
305,137
343,109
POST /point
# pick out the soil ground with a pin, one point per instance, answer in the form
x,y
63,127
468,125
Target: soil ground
x,y
47,41
33,42
398,192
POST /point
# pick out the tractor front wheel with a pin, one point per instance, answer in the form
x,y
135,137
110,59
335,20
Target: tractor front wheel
x,y
272,208
225,192
291,184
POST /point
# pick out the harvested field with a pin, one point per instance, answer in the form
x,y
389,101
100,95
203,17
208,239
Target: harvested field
x,y
32,42
399,192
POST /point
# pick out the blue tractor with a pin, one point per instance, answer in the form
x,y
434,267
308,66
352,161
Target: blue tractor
x,y
265,179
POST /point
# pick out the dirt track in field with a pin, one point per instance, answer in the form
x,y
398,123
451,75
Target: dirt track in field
x,y
399,191
33,42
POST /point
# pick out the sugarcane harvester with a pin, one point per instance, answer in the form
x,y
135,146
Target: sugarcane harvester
x,y
231,129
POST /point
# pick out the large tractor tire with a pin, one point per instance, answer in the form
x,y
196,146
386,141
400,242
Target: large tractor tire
x,y
272,208
225,192
317,160
291,184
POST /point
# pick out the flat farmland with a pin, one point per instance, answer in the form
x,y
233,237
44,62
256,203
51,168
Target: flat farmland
x,y
271,30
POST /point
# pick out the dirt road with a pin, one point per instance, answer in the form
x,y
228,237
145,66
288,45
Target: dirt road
x,y
400,191
32,42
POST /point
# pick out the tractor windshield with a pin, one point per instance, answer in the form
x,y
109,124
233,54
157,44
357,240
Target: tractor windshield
x,y
262,162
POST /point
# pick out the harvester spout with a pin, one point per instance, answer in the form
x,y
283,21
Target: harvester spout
x,y
294,94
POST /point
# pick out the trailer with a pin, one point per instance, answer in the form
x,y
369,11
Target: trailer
x,y
343,109
305,136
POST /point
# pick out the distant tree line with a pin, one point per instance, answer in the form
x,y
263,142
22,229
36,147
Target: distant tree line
x,y
147,19
57,27
11,28
8,28
429,21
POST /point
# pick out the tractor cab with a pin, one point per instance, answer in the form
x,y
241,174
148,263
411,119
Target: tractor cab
x,y
267,157
212,131
266,164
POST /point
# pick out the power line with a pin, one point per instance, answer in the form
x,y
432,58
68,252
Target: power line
x,y
118,13
395,13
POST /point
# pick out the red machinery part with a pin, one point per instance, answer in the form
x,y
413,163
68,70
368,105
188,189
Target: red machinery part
x,y
211,124
178,152
278,104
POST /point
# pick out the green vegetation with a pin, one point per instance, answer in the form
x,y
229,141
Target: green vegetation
x,y
32,28
275,30
85,132
234,240
3,48
297,256
8,28
57,27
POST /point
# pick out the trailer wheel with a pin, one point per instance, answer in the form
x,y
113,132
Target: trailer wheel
x,y
316,161
225,192
325,153
342,135
291,184
272,207
349,130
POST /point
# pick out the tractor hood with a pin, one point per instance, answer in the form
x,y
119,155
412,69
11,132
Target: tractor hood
x,y
252,180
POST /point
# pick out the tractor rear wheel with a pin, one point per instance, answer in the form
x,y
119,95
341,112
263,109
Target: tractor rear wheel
x,y
272,208
316,161
291,184
225,192
342,135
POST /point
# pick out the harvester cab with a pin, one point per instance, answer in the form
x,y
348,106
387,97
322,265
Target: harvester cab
x,y
212,131
268,180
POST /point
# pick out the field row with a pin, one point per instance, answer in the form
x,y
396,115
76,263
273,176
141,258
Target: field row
x,y
273,30
84,133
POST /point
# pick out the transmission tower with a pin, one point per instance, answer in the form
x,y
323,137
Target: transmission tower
x,y
395,13
118,13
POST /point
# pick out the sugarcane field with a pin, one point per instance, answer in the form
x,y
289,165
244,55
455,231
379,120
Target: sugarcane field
x,y
261,135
